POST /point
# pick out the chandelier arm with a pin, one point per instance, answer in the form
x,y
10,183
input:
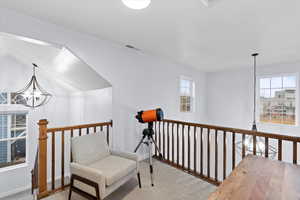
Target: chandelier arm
x,y
26,87
41,88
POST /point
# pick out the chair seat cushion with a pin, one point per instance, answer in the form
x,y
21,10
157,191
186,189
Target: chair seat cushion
x,y
114,168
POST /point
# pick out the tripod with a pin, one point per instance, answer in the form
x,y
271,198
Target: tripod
x,y
148,134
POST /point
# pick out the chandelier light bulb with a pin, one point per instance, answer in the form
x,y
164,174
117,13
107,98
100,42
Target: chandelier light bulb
x,y
137,4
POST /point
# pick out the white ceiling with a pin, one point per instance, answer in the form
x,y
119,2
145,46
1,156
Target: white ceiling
x,y
217,37
55,62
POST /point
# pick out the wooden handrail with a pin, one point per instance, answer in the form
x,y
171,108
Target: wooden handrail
x,y
236,130
69,128
43,190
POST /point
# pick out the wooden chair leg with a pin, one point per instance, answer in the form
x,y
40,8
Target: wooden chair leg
x,y
71,186
139,179
97,192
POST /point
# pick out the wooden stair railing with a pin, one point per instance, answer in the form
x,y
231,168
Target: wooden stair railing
x,y
43,161
211,152
34,173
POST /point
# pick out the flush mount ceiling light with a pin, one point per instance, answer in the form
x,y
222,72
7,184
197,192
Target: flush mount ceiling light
x,y
137,4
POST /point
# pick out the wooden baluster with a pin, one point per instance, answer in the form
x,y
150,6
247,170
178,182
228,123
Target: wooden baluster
x,y
233,150
87,131
159,136
183,147
80,132
173,143
189,149
177,143
201,151
266,147
243,146
208,153
155,135
72,135
63,159
195,149
164,147
95,129
294,152
107,134
42,162
53,162
280,150
254,145
224,155
168,142
216,155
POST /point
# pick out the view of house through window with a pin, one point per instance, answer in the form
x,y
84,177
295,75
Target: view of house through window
x,y
187,87
278,99
13,131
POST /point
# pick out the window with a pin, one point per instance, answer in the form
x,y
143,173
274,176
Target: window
x,y
278,99
13,133
187,92
3,98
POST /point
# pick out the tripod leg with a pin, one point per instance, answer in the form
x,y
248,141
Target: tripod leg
x,y
139,179
156,147
138,146
151,163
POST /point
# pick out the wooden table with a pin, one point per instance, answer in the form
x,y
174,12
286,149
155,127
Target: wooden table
x,y
257,178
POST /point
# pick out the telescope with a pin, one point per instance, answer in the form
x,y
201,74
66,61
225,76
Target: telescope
x,y
149,117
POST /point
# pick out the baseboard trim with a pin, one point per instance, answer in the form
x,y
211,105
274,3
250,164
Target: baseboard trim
x,y
23,189
14,191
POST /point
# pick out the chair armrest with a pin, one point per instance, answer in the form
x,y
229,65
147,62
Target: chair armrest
x,y
130,156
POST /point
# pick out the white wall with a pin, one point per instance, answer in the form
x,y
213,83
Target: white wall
x,y
13,77
91,106
139,81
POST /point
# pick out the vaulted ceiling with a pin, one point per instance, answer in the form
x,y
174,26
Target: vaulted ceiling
x,y
217,37
55,62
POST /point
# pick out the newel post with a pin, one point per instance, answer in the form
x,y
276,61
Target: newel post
x,y
42,179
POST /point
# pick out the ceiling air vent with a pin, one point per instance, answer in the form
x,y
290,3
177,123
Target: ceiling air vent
x,y
132,47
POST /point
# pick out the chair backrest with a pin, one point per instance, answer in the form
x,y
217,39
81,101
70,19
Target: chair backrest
x,y
90,148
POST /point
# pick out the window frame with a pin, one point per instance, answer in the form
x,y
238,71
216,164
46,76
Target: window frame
x,y
10,109
193,95
258,102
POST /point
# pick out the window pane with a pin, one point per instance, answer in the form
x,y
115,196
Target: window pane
x,y
277,93
265,83
12,152
3,98
289,82
265,93
3,126
265,117
276,82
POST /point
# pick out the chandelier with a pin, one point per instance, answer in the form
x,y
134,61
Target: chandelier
x,y
260,143
33,95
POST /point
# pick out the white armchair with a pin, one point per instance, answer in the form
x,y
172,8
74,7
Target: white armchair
x,y
96,171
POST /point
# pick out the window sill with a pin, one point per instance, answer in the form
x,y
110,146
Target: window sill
x,y
14,167
278,125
